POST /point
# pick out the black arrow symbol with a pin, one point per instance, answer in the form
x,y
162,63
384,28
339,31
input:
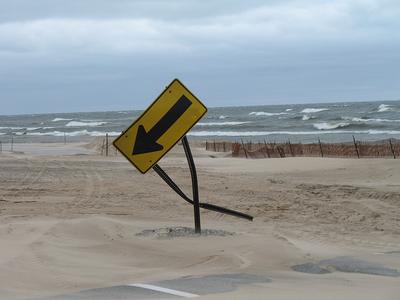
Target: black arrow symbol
x,y
147,141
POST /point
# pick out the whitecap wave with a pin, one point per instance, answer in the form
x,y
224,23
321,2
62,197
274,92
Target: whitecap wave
x,y
328,126
288,109
60,119
73,133
222,123
370,120
222,117
263,113
307,117
313,110
383,107
84,124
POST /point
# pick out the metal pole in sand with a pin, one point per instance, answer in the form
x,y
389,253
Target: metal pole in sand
x,y
391,148
355,146
290,148
195,186
266,148
244,148
320,147
106,144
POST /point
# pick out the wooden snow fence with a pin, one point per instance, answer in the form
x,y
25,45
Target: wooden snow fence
x,y
263,149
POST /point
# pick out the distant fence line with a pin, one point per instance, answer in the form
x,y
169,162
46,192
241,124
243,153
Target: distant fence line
x,y
264,149
219,146
107,148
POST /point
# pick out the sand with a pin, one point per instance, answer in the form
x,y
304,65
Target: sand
x,y
72,220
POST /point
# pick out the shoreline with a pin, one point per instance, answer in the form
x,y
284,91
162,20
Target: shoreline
x,y
260,149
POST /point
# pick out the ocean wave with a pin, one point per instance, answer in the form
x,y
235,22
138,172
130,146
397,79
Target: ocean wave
x,y
33,128
263,113
313,110
263,133
222,123
307,117
370,120
60,119
373,131
84,124
328,126
222,117
13,128
288,109
73,133
383,107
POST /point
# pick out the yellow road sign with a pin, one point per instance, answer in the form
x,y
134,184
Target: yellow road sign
x,y
160,127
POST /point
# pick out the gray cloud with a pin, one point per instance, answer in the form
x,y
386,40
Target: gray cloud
x,y
335,21
97,54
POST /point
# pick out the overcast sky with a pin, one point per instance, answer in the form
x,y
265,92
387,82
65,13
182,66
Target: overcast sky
x,y
94,55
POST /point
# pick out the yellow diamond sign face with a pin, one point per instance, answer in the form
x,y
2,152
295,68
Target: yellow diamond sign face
x,y
160,127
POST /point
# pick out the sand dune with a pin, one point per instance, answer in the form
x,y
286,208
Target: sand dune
x,y
70,223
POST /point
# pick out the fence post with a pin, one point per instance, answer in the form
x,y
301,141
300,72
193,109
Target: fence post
x,y
261,148
301,149
244,148
65,138
206,145
266,148
320,147
1,147
355,147
290,148
224,146
102,147
106,144
215,149
12,142
281,151
391,148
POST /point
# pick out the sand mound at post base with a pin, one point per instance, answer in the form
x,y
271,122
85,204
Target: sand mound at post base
x,y
175,232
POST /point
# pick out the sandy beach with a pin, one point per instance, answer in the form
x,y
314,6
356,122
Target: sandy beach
x,y
70,221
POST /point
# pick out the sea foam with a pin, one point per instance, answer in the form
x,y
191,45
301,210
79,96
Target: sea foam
x,y
307,117
263,113
313,110
73,133
371,120
329,126
60,119
383,107
84,124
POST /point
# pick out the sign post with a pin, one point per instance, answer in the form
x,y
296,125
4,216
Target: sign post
x,y
157,130
195,186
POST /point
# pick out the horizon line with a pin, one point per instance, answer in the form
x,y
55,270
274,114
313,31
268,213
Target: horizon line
x,y
229,106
